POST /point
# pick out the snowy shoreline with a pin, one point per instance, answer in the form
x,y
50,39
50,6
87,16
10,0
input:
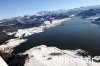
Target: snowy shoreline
x,y
10,44
48,56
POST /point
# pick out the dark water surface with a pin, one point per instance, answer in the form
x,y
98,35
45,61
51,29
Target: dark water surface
x,y
76,33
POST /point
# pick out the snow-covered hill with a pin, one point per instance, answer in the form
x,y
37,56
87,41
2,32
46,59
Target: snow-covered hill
x,y
52,56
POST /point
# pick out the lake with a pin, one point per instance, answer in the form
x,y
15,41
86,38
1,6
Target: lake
x,y
76,33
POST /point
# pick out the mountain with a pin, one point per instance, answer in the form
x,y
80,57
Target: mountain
x,y
13,32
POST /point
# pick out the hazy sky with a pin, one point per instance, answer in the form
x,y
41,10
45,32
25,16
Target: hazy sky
x,y
12,8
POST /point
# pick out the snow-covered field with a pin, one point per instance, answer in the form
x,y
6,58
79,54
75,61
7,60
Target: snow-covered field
x,y
52,56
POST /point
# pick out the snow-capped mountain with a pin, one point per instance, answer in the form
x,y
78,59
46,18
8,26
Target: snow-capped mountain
x,y
14,31
28,21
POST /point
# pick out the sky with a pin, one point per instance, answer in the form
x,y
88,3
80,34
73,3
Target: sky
x,y
13,8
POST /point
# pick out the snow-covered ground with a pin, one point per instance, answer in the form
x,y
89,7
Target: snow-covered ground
x,y
10,44
52,56
94,17
47,56
2,62
46,24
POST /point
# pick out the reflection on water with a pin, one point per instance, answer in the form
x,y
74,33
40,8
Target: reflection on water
x,y
73,34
